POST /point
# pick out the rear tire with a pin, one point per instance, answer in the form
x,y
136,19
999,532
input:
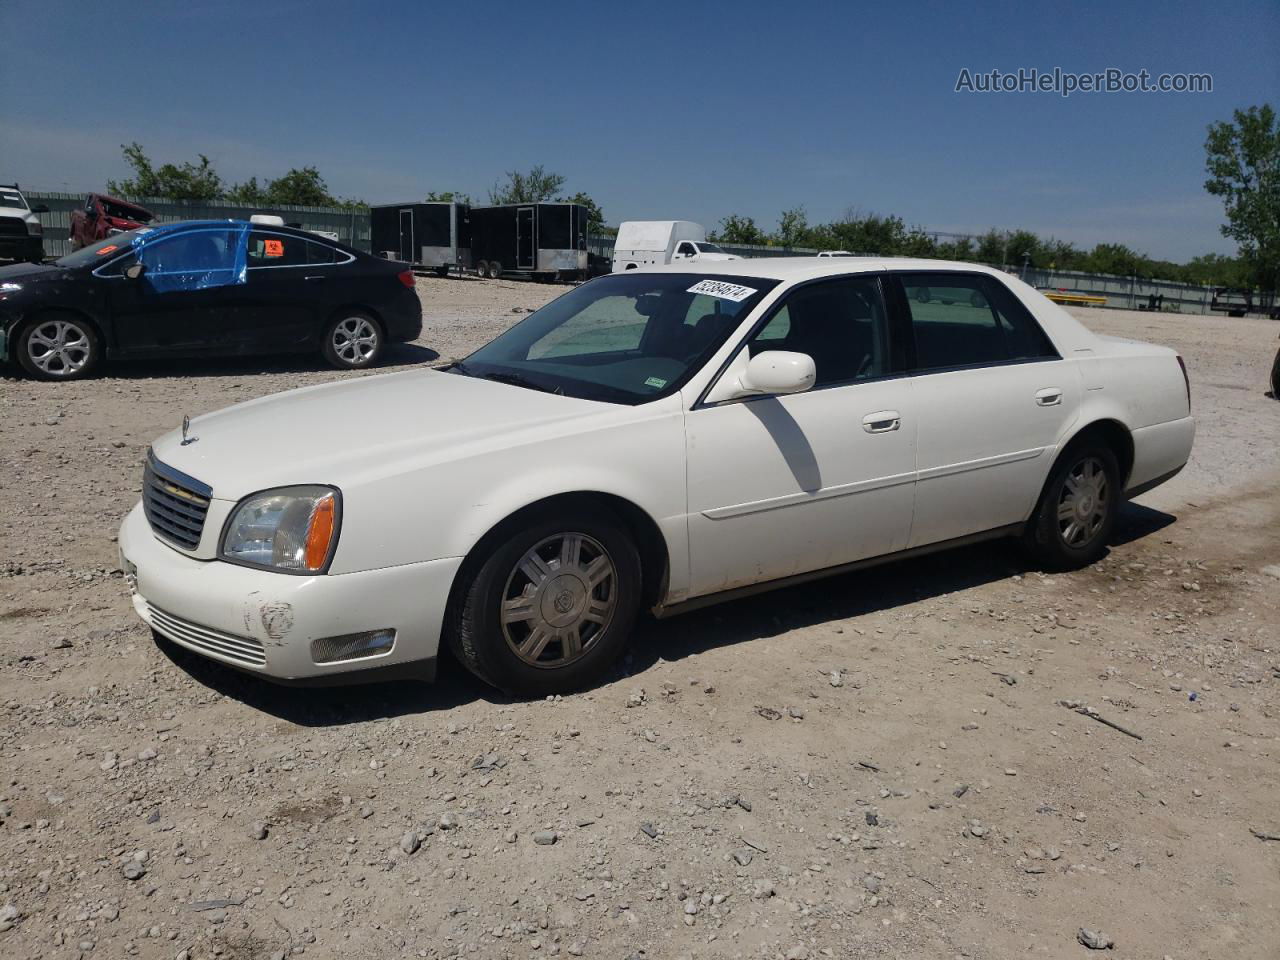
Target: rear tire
x,y
482,269
1077,509
550,605
352,340
58,346
495,269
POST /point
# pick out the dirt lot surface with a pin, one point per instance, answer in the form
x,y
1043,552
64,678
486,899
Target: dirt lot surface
x,y
877,765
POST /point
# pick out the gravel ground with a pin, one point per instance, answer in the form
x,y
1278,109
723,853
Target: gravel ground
x,y
878,765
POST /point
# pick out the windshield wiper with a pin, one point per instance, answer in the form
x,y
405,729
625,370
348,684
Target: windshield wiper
x,y
516,380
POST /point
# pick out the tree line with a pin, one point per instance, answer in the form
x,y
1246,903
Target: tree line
x,y
199,182
890,236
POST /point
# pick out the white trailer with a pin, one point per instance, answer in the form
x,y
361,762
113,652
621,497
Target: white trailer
x,y
652,243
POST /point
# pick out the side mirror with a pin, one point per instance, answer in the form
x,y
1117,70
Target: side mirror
x,y
772,373
135,270
778,372
40,208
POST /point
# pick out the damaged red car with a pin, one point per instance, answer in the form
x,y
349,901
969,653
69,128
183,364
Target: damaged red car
x,y
101,216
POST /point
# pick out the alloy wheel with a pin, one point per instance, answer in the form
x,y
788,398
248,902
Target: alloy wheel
x,y
355,340
1083,503
59,348
559,600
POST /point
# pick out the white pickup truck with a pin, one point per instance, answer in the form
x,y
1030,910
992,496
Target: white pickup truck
x,y
652,243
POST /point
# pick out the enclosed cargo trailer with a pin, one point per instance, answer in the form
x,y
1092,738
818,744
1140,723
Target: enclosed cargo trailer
x,y
543,240
434,235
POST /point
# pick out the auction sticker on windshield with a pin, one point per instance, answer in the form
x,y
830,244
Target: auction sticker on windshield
x,y
725,291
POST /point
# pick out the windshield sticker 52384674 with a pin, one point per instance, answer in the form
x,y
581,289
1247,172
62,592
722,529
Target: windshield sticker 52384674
x,y
725,291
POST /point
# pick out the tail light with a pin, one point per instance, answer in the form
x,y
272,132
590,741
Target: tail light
x,y
1185,379
406,277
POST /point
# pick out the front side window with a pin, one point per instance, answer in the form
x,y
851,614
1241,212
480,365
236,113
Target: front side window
x,y
686,249
191,260
964,320
842,324
623,338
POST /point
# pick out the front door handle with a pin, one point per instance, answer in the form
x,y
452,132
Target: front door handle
x,y
1048,397
317,277
882,421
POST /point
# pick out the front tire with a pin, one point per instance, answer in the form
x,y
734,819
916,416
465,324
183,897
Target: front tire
x,y
352,341
495,269
1077,509
58,346
551,605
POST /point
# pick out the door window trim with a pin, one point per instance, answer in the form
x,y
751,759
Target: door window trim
x,y
133,250
903,306
897,359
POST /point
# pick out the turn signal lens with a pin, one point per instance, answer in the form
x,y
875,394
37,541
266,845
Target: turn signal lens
x,y
406,277
319,533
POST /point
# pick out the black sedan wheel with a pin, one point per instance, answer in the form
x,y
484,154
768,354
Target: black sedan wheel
x,y
58,347
352,340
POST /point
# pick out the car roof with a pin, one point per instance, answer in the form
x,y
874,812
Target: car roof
x,y
792,269
269,227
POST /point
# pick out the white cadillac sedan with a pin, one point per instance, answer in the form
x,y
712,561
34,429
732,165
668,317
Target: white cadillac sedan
x,y
651,440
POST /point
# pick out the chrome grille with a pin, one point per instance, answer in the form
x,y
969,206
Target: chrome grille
x,y
175,504
206,640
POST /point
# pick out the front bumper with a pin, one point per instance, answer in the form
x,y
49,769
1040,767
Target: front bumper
x,y
264,623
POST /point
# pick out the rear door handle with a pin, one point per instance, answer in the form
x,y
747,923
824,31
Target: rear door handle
x,y
1048,397
317,277
882,421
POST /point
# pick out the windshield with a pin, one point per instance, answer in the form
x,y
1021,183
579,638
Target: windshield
x,y
624,338
709,248
101,251
12,198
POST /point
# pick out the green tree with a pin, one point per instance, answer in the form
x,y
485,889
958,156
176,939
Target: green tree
x,y
533,187
738,229
870,233
1116,258
248,194
991,247
299,187
187,181
595,216
448,196
793,229
1242,159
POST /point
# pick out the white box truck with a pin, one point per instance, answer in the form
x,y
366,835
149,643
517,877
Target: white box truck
x,y
650,243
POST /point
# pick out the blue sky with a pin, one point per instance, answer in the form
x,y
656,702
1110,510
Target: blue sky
x,y
692,110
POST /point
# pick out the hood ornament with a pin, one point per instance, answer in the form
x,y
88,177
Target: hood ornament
x,y
186,425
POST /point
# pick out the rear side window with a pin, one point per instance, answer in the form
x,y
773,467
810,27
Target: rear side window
x,y
275,250
965,320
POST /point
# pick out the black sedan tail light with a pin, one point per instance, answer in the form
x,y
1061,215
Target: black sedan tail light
x,y
406,277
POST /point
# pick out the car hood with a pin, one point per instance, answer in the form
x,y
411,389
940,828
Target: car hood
x,y
363,428
20,213
30,272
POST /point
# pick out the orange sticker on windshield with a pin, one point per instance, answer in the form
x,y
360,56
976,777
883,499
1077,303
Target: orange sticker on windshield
x,y
273,248
110,247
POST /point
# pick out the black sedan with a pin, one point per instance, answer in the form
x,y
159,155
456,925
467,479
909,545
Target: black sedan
x,y
203,288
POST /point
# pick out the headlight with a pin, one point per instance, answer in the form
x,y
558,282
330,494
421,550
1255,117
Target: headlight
x,y
35,228
292,529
